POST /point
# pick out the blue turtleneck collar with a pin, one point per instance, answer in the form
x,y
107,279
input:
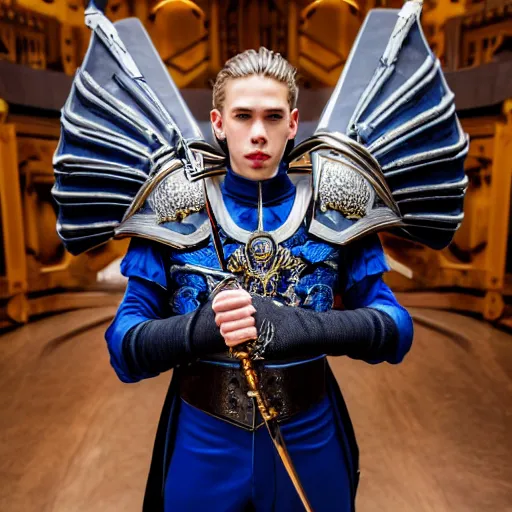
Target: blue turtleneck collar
x,y
245,191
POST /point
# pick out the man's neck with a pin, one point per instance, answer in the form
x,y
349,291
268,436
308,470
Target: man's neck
x,y
246,191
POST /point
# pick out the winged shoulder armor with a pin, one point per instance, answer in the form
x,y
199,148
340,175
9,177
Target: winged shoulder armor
x,y
131,157
388,152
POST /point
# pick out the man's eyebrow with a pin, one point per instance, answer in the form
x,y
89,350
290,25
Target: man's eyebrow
x,y
275,110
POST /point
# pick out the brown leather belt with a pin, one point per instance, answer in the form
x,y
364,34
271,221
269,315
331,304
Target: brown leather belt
x,y
221,390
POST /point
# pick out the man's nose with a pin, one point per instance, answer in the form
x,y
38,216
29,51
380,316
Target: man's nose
x,y
258,133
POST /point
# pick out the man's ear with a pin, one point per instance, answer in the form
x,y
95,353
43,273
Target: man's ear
x,y
294,123
216,120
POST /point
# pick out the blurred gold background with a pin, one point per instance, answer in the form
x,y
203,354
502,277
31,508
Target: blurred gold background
x,y
43,41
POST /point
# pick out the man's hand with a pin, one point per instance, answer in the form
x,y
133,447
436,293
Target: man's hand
x,y
234,315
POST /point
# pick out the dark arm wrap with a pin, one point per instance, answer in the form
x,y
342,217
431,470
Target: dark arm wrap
x,y
156,346
363,333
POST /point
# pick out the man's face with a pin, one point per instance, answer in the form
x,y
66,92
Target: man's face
x,y
256,122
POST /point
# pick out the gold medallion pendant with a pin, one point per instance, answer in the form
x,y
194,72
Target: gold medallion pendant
x,y
262,265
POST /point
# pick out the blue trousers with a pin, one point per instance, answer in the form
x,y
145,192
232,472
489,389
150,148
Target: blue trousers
x,y
218,467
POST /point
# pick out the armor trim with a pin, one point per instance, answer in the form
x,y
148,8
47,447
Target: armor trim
x,y
300,206
146,226
376,220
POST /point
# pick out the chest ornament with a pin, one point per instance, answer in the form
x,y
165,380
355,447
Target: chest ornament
x,y
266,268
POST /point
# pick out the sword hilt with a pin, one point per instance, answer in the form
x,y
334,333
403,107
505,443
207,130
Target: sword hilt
x,y
243,354
268,413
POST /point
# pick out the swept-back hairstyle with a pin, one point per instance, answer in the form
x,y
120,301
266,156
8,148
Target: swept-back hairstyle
x,y
263,62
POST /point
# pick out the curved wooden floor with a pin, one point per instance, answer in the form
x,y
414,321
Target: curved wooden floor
x,y
435,432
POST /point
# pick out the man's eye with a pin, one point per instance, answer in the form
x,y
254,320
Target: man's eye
x,y
275,117
242,116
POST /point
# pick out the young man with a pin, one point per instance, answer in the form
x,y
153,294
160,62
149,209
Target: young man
x,y
217,461
304,291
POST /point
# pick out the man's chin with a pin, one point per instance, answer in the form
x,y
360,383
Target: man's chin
x,y
264,173
259,172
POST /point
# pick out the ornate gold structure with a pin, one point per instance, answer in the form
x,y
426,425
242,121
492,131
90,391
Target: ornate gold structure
x,y
194,39
40,42
475,271
33,260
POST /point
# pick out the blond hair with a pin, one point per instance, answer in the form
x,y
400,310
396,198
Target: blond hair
x,y
263,62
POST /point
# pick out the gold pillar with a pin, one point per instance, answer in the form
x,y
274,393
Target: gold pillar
x,y
141,11
12,215
293,33
252,29
501,180
214,38
240,17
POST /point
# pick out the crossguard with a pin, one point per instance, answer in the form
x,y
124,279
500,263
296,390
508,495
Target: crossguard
x,y
228,283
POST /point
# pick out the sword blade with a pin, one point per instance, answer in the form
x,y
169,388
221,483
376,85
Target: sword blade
x,y
217,242
284,455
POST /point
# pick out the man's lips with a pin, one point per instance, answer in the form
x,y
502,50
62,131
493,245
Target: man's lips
x,y
257,156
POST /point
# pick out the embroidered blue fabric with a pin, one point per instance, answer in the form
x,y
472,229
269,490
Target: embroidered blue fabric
x,y
354,271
